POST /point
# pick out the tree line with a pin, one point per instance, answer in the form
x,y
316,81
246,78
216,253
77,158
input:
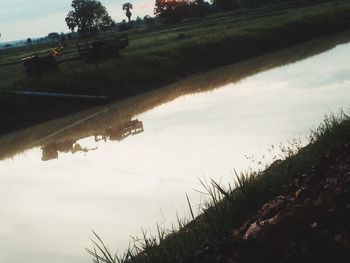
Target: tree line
x,y
89,16
172,11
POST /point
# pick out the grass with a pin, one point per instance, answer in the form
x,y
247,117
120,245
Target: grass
x,y
166,53
229,207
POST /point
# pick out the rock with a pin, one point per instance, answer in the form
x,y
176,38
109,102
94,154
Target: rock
x,y
253,231
327,198
238,233
298,182
347,181
332,208
314,225
301,193
270,209
343,239
326,186
292,200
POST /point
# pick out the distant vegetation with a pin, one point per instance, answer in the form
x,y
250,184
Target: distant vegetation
x,y
127,7
89,17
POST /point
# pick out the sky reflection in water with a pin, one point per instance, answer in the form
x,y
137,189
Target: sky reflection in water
x,y
48,208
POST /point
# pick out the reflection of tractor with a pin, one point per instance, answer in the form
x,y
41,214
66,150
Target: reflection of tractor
x,y
51,151
102,48
131,128
37,64
121,132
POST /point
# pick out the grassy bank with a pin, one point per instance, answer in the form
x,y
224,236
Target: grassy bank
x,y
321,163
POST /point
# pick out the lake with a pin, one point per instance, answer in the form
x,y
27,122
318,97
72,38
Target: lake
x,y
126,166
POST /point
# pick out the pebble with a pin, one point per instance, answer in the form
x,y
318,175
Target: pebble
x,y
313,225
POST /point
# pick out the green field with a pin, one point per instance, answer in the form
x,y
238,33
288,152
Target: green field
x,y
165,53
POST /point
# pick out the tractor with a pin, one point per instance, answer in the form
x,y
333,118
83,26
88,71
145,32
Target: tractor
x,y
37,64
102,48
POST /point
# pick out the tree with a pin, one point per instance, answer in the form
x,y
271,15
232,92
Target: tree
x,y
126,8
201,7
29,41
89,16
63,37
225,5
149,21
53,36
139,20
124,26
171,11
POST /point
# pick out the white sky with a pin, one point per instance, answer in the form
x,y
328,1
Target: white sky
x,y
20,19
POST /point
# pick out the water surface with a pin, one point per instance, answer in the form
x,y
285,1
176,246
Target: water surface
x,y
104,170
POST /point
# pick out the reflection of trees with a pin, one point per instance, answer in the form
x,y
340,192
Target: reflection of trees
x,y
52,150
121,132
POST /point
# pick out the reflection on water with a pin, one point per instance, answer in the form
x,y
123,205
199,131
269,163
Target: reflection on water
x,y
95,122
97,179
51,150
131,128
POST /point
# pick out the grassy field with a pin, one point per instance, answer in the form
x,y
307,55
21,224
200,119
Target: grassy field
x,y
166,53
229,207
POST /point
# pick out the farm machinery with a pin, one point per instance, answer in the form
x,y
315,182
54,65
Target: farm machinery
x,y
89,50
37,64
102,48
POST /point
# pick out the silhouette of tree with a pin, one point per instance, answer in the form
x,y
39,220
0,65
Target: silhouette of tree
x,y
149,21
126,8
54,36
171,11
199,8
88,16
225,5
29,41
124,26
138,21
